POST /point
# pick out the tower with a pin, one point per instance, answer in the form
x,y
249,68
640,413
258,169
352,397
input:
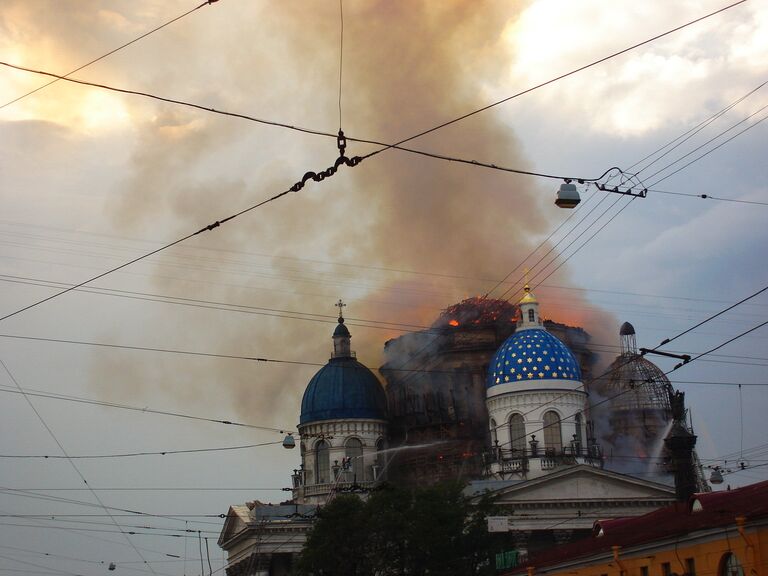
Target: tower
x,y
536,402
342,426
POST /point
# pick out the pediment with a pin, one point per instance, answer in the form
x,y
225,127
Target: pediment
x,y
582,484
237,520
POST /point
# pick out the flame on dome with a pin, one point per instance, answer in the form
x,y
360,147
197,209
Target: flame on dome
x,y
477,311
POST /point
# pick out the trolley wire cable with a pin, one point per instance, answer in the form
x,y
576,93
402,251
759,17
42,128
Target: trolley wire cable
x,y
103,56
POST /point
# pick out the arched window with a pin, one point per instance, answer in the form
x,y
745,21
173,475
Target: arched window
x,y
531,315
517,433
494,436
729,566
322,463
553,438
353,450
578,432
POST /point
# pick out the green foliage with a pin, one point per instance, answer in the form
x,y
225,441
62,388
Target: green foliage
x,y
430,531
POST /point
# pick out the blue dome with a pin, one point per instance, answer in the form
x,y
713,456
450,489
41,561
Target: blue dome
x,y
342,389
532,354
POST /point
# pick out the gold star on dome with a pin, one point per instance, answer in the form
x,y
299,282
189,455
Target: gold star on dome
x,y
506,363
519,376
538,359
529,360
546,367
514,355
530,375
506,378
519,360
541,375
498,380
554,374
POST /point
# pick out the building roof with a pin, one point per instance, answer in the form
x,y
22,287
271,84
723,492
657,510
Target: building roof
x,y
530,355
343,389
702,511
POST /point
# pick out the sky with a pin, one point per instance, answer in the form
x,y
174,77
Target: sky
x,y
92,179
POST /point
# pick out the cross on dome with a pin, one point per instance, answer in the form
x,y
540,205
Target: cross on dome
x,y
340,304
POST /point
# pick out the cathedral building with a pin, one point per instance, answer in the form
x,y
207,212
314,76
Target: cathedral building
x,y
492,395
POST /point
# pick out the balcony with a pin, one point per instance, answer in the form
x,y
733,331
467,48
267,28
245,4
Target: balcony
x,y
525,462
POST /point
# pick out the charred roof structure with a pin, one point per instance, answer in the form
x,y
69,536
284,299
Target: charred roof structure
x,y
436,388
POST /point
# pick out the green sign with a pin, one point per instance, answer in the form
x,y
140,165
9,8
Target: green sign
x,y
505,560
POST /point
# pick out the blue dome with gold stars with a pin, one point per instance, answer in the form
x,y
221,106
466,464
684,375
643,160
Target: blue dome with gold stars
x,y
532,354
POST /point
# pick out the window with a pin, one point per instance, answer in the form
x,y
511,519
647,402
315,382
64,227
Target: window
x,y
553,442
517,433
666,569
494,438
354,451
531,315
729,566
643,570
690,567
322,463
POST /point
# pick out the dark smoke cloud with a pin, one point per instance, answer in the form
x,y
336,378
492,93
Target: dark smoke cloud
x,y
407,66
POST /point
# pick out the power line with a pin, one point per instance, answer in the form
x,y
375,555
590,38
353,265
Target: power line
x,y
680,140
708,197
168,23
72,464
342,160
133,454
397,145
630,360
303,130
541,85
341,53
706,143
43,394
711,150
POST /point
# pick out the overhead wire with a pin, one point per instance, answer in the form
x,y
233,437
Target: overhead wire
x,y
398,145
664,150
134,454
712,139
708,152
103,56
341,53
662,343
546,83
71,462
295,188
672,145
147,410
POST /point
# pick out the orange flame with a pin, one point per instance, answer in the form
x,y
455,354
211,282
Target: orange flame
x,y
453,322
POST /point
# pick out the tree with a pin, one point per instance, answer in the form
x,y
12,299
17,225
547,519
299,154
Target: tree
x,y
432,531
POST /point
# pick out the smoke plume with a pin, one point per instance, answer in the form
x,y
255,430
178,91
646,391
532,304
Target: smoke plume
x,y
398,237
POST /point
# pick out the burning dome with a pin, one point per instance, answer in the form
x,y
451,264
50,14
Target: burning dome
x,y
532,355
343,388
